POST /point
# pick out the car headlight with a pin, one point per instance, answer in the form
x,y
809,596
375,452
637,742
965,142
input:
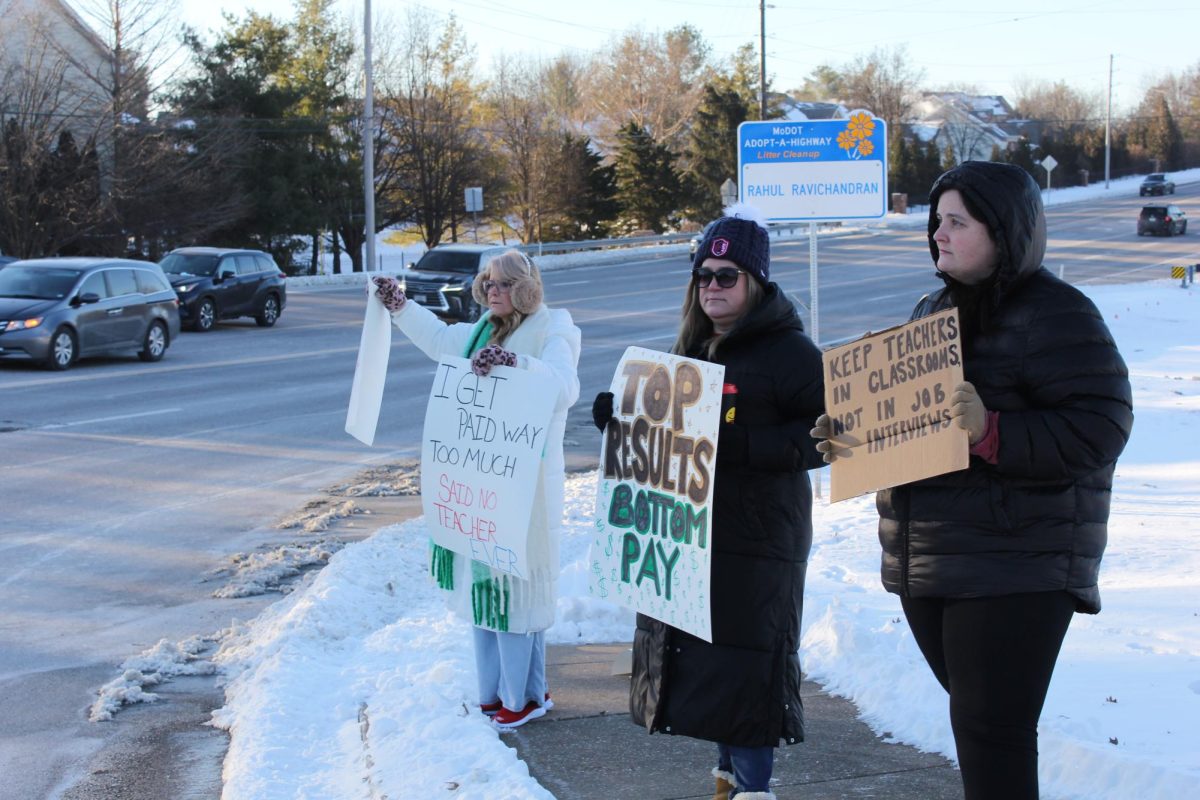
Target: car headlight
x,y
452,287
23,324
187,287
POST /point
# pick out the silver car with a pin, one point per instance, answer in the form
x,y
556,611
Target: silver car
x,y
57,310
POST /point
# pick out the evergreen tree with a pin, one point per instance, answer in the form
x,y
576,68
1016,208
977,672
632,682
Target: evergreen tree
x,y
902,174
713,148
647,185
1163,141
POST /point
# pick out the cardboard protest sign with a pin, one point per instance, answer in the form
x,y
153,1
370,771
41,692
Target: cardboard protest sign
x,y
653,531
481,454
888,395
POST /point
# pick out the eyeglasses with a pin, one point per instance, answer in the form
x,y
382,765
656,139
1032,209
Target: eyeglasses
x,y
503,287
726,277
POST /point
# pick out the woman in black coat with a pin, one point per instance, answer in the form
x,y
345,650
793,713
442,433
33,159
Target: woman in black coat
x,y
991,562
742,691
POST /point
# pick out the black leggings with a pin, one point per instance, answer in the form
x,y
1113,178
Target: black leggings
x,y
995,656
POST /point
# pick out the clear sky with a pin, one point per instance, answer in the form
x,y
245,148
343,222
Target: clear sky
x,y
991,46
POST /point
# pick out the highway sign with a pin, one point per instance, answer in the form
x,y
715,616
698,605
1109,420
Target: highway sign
x,y
814,170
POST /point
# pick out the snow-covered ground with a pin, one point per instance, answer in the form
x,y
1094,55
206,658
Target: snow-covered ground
x,y
362,675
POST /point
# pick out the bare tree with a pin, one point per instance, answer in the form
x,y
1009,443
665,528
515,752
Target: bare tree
x,y
432,99
49,187
883,82
1058,103
654,80
520,126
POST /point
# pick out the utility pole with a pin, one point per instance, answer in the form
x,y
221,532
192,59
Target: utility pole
x,y
368,140
1108,125
762,59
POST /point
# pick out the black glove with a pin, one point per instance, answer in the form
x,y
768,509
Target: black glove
x,y
602,410
732,444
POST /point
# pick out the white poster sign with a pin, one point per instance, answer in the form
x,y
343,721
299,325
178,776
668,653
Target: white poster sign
x,y
653,532
481,455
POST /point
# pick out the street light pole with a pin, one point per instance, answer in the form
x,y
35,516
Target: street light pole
x,y
368,139
1108,125
762,59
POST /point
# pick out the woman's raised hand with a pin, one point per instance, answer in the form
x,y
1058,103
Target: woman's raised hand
x,y
487,357
387,289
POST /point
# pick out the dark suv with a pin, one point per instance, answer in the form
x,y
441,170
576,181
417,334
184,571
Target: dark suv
x,y
1156,183
1166,220
441,281
217,283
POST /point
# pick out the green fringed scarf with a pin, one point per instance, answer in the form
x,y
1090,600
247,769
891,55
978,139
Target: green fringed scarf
x,y
489,595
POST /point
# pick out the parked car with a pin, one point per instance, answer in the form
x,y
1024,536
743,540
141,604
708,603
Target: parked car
x,y
1167,220
441,280
57,310
697,239
215,283
1156,183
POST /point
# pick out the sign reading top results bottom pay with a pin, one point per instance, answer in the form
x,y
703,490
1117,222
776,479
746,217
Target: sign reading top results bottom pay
x,y
814,170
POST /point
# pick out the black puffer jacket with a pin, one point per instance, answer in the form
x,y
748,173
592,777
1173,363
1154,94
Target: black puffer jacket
x,y
744,688
1039,353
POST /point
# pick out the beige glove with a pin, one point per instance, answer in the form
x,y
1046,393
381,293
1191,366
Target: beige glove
x,y
823,433
967,409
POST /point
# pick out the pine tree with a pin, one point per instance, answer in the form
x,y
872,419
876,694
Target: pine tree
x,y
713,148
647,185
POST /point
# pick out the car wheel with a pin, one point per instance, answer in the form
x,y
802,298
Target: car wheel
x,y
473,311
206,315
1183,228
155,343
270,312
64,349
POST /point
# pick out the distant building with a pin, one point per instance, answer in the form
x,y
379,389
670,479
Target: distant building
x,y
973,125
54,66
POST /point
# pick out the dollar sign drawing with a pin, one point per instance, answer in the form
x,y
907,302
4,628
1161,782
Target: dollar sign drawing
x,y
608,551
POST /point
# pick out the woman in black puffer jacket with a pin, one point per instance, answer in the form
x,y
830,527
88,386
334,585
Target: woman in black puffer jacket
x,y
742,690
991,562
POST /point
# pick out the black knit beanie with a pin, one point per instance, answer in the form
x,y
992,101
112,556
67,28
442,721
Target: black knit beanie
x,y
741,237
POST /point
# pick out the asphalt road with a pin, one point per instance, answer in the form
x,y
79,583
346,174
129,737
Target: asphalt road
x,y
123,483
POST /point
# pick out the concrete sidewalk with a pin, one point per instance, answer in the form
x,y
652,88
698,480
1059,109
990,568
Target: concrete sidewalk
x,y
587,748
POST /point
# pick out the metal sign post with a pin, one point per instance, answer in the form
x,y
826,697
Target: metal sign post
x,y
1048,164
473,196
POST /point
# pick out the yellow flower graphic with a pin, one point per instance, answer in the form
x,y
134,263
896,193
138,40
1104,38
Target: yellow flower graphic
x,y
856,139
861,126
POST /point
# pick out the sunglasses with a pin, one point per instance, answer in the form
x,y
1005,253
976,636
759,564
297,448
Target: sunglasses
x,y
726,277
504,287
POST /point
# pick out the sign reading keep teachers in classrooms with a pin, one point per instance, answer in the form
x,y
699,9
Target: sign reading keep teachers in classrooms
x,y
816,169
653,532
481,454
888,396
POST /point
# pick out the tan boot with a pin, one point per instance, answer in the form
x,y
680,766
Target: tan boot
x,y
724,784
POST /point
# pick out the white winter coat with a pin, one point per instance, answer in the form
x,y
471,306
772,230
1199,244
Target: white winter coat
x,y
546,343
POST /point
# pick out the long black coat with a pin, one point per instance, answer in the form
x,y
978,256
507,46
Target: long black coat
x,y
1039,353
744,688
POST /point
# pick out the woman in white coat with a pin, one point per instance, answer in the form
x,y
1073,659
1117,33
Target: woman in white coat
x,y
509,614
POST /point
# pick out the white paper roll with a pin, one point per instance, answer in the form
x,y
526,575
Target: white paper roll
x,y
370,373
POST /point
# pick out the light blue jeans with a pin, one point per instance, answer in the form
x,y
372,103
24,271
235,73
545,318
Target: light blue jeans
x,y
511,667
751,767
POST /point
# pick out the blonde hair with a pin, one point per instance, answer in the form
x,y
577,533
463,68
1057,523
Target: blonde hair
x,y
526,294
696,329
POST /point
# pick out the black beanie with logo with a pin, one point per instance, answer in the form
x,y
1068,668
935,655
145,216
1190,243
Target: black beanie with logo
x,y
739,235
